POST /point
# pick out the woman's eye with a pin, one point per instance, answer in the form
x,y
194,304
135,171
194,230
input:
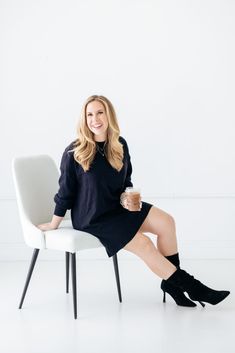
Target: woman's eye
x,y
100,112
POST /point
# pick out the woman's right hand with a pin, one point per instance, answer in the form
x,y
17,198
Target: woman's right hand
x,y
46,226
54,224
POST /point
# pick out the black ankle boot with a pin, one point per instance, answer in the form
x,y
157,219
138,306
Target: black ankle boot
x,y
176,293
195,289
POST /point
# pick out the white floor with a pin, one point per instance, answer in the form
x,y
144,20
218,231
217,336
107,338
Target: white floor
x,y
141,323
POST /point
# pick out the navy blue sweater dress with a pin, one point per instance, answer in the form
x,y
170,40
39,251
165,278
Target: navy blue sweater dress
x,y
94,199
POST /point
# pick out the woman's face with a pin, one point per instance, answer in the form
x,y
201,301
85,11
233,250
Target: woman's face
x,y
97,120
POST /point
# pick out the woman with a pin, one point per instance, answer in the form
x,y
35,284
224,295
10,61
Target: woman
x,y
95,170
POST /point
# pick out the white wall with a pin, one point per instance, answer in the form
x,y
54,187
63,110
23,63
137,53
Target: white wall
x,y
168,68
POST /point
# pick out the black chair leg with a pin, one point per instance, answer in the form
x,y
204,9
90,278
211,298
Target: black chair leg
x,y
67,254
33,261
115,264
74,283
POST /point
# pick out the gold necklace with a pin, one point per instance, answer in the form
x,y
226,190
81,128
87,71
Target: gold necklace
x,y
101,150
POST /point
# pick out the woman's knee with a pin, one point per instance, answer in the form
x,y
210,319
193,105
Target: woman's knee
x,y
170,220
168,224
140,242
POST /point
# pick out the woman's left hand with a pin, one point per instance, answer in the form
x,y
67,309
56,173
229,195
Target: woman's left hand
x,y
123,200
127,204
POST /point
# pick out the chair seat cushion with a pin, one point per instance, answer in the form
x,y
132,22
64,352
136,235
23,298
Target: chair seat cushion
x,y
66,238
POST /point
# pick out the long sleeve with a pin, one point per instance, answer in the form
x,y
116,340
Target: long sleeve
x,y
67,184
128,181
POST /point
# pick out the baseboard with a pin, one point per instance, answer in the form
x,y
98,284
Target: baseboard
x,y
188,250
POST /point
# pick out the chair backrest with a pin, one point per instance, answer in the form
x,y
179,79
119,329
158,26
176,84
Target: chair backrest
x,y
36,183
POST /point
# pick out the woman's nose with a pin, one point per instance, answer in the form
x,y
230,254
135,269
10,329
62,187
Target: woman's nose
x,y
96,121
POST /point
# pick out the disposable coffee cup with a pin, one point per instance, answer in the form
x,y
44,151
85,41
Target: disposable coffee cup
x,y
133,198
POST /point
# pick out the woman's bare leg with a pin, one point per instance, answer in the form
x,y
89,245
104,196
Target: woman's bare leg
x,y
142,246
162,224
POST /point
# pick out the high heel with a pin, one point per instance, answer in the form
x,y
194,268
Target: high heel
x,y
176,293
196,290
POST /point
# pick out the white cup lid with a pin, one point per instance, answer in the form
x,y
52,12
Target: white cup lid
x,y
132,189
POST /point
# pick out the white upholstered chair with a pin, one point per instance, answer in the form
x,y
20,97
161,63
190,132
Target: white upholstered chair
x,y
36,183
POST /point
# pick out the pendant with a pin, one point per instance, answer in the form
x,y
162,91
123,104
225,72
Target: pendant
x,y
102,153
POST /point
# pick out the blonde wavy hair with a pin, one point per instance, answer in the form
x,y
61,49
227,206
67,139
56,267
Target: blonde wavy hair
x,y
85,145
